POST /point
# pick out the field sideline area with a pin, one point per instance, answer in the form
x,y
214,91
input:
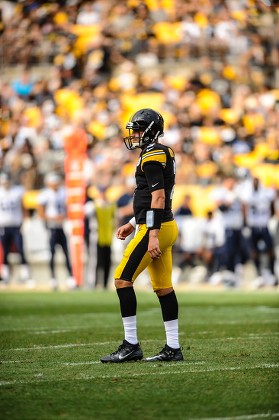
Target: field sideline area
x,y
51,344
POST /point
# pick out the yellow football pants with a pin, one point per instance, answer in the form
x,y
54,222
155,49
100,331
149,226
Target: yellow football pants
x,y
136,257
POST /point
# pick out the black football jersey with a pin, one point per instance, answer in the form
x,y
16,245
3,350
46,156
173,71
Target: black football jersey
x,y
155,170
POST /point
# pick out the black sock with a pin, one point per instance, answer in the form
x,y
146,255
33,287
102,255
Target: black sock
x,y
128,301
169,306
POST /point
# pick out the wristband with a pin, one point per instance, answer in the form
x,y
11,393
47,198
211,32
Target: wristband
x,y
133,222
154,218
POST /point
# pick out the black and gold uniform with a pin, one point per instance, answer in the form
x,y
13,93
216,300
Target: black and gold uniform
x,y
155,170
152,244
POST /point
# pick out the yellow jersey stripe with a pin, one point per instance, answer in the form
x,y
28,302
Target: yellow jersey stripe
x,y
159,158
153,152
171,152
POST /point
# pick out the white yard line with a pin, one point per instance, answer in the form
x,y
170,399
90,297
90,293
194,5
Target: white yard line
x,y
12,361
245,417
179,372
147,373
51,332
70,345
61,346
93,363
112,343
267,309
42,330
232,322
263,321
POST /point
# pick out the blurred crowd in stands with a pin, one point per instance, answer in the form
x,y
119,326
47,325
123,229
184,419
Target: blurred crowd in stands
x,y
209,66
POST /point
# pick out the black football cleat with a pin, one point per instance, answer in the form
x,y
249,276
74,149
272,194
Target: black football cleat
x,y
167,354
126,352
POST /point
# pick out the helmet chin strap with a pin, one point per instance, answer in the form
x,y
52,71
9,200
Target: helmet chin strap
x,y
144,140
147,142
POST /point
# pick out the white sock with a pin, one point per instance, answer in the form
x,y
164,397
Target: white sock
x,y
171,328
130,329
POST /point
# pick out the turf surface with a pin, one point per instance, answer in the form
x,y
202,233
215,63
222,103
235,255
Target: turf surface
x,y
51,344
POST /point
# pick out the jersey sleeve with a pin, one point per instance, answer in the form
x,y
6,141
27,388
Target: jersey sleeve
x,y
154,176
153,164
154,156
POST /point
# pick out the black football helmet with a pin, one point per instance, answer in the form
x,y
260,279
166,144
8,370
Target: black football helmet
x,y
145,126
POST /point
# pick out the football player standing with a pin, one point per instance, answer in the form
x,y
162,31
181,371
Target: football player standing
x,y
152,244
52,210
11,220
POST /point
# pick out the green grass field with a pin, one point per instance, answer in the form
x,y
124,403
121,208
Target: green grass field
x,y
51,344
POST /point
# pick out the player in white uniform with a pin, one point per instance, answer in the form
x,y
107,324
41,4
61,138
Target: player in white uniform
x,y
52,209
259,202
212,249
228,199
11,219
